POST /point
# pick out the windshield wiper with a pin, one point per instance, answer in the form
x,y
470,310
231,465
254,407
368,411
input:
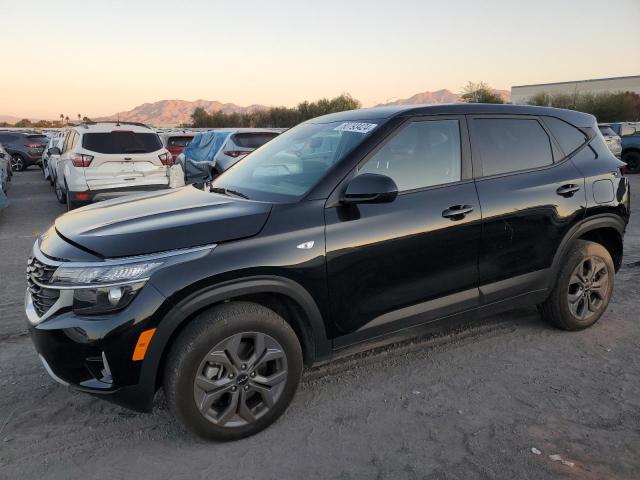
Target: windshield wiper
x,y
227,192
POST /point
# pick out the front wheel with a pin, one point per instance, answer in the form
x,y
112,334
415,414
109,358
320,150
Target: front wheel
x,y
17,163
233,371
583,288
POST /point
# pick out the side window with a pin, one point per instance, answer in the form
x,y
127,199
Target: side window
x,y
422,154
74,142
568,136
68,141
509,145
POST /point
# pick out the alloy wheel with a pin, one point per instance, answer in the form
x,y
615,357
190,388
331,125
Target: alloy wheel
x,y
17,163
588,288
240,379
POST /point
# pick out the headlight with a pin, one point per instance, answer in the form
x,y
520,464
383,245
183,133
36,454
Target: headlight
x,y
104,287
89,301
104,274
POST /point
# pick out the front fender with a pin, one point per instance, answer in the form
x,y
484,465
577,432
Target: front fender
x,y
315,343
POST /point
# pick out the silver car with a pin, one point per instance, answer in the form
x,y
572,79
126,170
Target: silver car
x,y
613,141
5,169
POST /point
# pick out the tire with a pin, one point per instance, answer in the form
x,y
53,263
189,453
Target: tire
x,y
71,205
583,288
61,195
237,409
17,163
632,159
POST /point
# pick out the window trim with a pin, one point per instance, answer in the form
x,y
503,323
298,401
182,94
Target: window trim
x,y
465,163
556,152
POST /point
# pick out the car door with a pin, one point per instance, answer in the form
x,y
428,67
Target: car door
x,y
530,197
394,265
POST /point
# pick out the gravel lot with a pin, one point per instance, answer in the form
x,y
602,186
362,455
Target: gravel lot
x,y
469,404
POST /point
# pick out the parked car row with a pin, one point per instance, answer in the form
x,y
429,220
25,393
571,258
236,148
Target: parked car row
x,y
627,144
24,148
97,161
212,152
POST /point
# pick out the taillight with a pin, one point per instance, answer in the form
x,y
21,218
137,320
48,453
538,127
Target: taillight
x,y
80,160
166,158
236,153
32,145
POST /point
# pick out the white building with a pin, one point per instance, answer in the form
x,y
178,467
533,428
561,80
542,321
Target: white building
x,y
520,94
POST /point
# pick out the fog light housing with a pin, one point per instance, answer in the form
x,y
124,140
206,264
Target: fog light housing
x,y
93,301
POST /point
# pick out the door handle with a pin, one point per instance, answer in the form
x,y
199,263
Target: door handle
x,y
457,212
568,190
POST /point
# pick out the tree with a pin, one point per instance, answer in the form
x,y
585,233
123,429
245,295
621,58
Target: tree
x,y
79,118
66,120
61,118
480,92
606,107
25,122
86,119
277,117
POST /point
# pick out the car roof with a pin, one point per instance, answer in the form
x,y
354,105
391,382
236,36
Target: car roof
x,y
107,127
386,113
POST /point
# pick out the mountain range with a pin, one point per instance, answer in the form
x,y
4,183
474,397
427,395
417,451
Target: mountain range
x,y
439,96
176,112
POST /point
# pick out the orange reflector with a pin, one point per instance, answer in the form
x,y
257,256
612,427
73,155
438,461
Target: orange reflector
x,y
143,343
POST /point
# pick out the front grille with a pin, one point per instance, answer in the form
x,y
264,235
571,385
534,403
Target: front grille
x,y
42,298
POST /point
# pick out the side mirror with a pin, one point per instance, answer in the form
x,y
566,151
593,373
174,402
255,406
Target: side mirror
x,y
53,151
1,155
370,188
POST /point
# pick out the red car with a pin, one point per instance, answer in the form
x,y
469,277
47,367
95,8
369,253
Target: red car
x,y
176,141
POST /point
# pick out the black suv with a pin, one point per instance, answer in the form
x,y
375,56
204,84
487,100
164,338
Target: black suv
x,y
25,148
352,227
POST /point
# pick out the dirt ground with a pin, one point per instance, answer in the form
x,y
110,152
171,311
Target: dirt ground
x,y
468,404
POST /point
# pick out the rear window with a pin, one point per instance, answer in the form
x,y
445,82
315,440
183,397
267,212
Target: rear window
x,y
253,140
121,142
510,145
179,141
568,136
42,138
606,131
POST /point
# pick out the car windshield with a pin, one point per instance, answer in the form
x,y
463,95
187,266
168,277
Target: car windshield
x,y
287,167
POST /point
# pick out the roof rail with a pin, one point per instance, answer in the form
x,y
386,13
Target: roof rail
x,y
137,124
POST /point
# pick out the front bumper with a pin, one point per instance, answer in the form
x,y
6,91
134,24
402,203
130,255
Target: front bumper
x,y
94,353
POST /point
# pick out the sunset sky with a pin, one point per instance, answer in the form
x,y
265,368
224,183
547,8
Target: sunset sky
x,y
99,57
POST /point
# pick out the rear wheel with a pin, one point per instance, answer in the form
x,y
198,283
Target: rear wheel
x,y
583,288
632,159
60,193
17,163
233,371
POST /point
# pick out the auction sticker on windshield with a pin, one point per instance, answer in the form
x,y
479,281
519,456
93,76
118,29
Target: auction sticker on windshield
x,y
356,127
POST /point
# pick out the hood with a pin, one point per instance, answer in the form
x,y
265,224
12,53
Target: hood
x,y
160,221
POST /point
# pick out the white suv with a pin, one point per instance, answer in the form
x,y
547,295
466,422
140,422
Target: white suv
x,y
110,159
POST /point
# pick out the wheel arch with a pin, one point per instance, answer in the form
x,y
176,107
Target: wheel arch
x,y
286,297
605,229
